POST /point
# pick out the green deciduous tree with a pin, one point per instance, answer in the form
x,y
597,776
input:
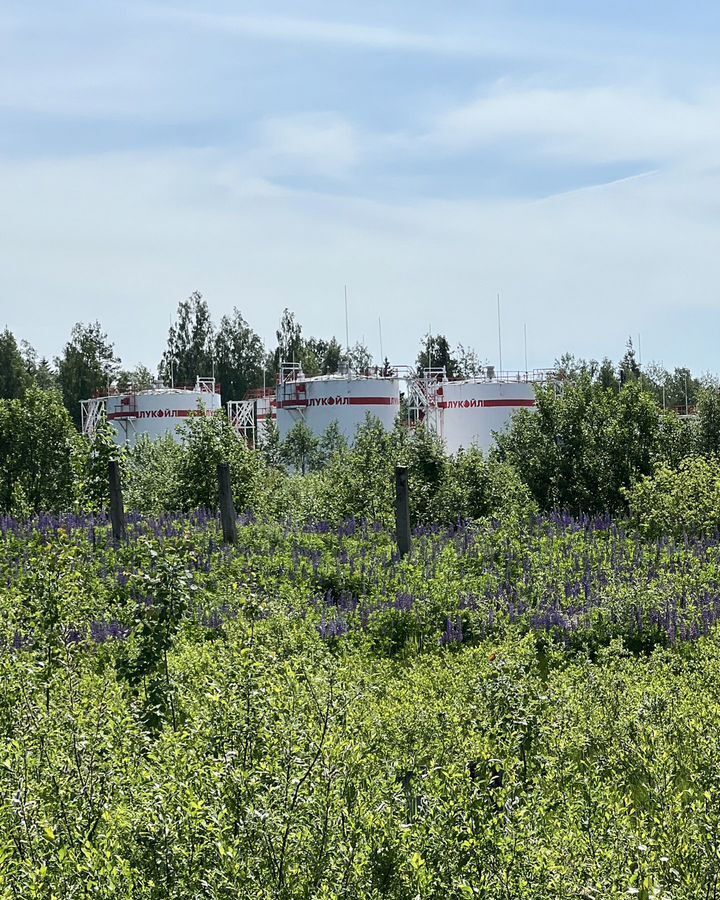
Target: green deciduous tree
x,y
332,443
708,422
435,353
38,368
321,357
38,454
189,352
239,357
678,501
468,364
88,365
207,441
585,443
300,448
629,370
289,342
360,359
138,379
14,376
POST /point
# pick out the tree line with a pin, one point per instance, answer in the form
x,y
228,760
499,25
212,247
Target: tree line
x,y
231,350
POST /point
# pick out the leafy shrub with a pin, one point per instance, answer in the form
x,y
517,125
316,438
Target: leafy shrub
x,y
39,452
685,500
475,488
91,486
206,442
151,475
586,443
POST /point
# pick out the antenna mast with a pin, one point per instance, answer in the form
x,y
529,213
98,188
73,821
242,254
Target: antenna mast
x,y
499,336
382,355
347,325
525,339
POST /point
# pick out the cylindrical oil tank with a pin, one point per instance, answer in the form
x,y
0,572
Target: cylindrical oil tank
x,y
470,411
157,412
345,399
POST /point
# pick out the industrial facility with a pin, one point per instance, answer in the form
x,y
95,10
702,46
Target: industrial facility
x,y
468,412
461,412
154,413
346,398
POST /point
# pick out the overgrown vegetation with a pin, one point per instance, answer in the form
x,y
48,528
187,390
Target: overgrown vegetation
x,y
516,710
522,707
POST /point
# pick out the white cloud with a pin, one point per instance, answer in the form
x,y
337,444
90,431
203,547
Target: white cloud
x,y
321,144
123,238
592,125
318,31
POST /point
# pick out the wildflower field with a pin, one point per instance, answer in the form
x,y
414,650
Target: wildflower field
x,y
517,710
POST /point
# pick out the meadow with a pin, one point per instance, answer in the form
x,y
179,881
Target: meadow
x,y
518,709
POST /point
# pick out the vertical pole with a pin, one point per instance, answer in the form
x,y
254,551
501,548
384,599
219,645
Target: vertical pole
x,y
117,509
499,339
402,510
227,510
382,355
347,326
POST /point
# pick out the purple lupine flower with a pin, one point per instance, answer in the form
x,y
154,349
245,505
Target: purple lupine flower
x,y
404,602
453,633
332,628
100,632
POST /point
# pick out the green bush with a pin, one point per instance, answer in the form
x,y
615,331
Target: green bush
x,y
684,500
151,473
585,444
40,452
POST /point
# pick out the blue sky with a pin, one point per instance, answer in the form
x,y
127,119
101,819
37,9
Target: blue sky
x,y
428,155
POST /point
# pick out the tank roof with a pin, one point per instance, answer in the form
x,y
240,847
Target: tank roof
x,y
153,392
340,376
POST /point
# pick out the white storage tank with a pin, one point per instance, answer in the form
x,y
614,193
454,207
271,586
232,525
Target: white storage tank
x,y
154,412
470,411
345,399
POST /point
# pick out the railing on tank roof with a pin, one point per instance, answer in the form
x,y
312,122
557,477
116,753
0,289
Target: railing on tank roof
x,y
202,386
487,375
293,372
259,393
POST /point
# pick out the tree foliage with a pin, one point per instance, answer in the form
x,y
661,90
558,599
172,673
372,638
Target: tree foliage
x,y
14,375
38,454
239,357
435,353
300,448
708,422
87,366
138,379
585,443
322,357
678,501
189,352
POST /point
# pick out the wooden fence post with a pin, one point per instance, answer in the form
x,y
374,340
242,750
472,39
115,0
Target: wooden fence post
x,y
402,510
227,509
117,509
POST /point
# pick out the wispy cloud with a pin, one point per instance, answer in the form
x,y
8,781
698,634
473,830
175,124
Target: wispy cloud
x,y
322,144
350,34
582,269
409,168
594,125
